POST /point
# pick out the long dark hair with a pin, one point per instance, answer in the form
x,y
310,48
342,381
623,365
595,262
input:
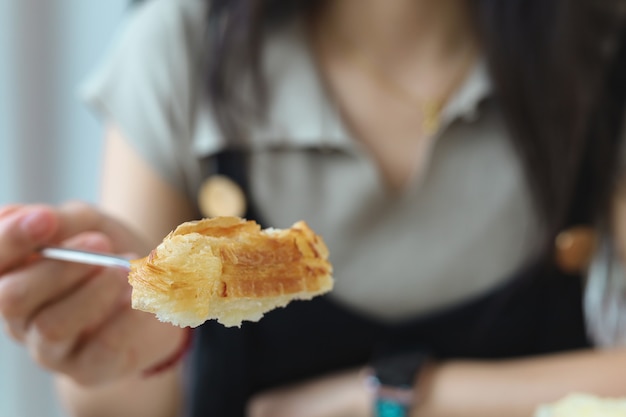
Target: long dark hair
x,y
558,69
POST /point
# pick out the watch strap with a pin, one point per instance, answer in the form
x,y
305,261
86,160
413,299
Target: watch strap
x,y
392,380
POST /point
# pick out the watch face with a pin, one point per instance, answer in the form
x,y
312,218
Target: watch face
x,y
399,370
390,408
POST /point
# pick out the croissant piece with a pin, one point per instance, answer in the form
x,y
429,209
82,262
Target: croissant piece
x,y
227,268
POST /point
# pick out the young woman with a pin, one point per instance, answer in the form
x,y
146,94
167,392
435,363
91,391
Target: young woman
x,y
440,148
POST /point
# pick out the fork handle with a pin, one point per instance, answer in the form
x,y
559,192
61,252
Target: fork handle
x,y
85,257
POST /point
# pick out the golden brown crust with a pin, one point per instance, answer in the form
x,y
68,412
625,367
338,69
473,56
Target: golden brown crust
x,y
228,268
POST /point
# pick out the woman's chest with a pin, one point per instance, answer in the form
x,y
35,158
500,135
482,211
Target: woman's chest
x,y
459,229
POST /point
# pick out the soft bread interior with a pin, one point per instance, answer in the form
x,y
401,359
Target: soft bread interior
x,y
230,270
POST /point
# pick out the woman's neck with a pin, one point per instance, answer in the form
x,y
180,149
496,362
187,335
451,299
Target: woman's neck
x,y
398,30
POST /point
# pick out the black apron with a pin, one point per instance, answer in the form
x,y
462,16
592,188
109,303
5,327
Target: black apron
x,y
537,311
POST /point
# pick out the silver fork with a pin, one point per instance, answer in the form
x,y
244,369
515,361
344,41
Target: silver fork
x,y
85,257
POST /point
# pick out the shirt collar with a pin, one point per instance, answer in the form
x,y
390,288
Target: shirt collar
x,y
301,112
465,103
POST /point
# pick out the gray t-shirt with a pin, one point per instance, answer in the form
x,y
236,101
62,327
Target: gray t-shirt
x,y
460,229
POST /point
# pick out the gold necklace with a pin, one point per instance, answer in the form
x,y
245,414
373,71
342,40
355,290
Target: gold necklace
x,y
430,108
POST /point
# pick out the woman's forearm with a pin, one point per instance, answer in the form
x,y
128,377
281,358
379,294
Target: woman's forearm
x,y
157,396
514,388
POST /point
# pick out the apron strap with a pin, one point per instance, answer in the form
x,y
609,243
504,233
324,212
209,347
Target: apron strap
x,y
219,360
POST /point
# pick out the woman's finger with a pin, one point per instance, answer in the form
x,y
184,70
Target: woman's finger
x,y
118,349
8,209
55,330
26,290
78,217
22,231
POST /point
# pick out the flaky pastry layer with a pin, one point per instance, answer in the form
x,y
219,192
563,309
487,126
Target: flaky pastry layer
x,y
228,269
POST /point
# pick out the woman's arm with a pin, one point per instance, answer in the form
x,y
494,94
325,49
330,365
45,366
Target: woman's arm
x,y
512,388
134,194
516,387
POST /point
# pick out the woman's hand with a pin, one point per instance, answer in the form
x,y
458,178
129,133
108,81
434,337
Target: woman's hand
x,y
338,395
75,319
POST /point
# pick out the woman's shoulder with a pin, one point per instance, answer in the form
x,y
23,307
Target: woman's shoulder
x,y
157,49
165,15
157,24
147,80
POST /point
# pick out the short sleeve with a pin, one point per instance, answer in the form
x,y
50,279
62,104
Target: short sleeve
x,y
146,85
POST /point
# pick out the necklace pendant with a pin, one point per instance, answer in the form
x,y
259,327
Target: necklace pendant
x,y
431,118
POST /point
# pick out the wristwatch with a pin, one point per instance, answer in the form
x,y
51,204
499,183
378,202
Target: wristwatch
x,y
392,379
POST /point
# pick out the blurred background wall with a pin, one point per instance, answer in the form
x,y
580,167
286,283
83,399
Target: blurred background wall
x,y
49,143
